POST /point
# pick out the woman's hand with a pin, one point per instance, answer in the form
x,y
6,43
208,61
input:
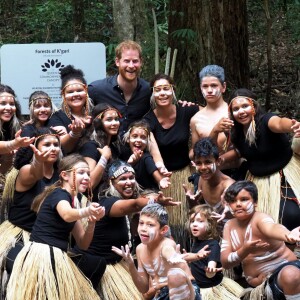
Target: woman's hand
x,y
166,201
22,141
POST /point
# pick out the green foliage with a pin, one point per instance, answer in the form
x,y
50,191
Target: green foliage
x,y
53,21
293,20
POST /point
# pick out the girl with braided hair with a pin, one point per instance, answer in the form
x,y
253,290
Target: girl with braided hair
x,y
43,269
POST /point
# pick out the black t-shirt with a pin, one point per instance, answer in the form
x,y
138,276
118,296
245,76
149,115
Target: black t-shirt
x,y
271,153
173,143
59,118
198,267
108,91
20,213
109,231
49,228
89,149
144,169
28,130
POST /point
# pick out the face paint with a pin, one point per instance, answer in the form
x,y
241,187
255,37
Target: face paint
x,y
112,122
250,208
134,140
122,182
163,92
213,167
247,110
214,92
152,232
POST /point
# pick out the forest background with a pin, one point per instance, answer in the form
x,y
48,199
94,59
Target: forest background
x,y
257,42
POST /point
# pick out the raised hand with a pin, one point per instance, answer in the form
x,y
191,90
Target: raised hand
x,y
166,201
76,127
124,252
135,156
293,236
105,152
22,141
296,128
164,182
96,211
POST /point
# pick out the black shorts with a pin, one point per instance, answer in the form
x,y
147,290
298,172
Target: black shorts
x,y
272,281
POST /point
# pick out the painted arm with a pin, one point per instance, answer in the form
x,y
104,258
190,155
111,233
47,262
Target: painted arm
x,y
124,207
276,231
232,257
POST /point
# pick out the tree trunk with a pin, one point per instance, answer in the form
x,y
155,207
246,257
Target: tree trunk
x,y
78,20
217,35
123,21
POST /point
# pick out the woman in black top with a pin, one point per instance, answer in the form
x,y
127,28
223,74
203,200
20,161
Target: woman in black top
x,y
170,125
261,138
72,120
47,271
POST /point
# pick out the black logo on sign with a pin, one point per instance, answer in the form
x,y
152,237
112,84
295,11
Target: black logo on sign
x,y
52,63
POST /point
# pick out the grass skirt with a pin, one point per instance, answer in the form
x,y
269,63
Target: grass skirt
x,y
10,235
262,291
269,187
178,215
117,284
227,289
33,276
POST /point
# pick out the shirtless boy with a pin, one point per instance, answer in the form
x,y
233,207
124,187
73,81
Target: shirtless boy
x,y
254,239
212,182
158,260
213,85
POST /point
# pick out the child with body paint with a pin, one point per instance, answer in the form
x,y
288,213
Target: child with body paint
x,y
208,270
212,182
147,174
158,260
255,240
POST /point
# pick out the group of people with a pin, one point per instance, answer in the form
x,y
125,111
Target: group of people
x,y
96,196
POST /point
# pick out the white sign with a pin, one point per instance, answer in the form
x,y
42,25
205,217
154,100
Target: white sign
x,y
32,67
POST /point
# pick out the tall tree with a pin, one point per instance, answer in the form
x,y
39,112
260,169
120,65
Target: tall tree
x,y
123,21
209,32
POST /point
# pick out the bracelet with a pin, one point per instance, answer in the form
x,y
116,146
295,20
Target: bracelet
x,y
10,145
159,164
102,162
74,135
84,212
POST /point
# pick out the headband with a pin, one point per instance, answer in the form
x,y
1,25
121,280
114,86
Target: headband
x,y
107,109
139,127
120,171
